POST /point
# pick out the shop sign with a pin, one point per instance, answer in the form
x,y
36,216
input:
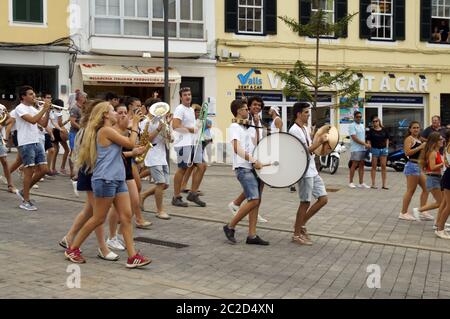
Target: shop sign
x,y
250,80
384,99
266,96
399,84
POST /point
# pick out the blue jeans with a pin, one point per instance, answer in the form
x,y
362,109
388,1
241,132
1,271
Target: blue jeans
x,y
249,181
106,188
32,154
72,139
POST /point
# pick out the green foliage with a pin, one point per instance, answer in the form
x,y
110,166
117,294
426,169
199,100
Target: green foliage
x,y
304,82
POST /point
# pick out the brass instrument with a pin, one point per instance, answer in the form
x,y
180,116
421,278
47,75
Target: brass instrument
x,y
159,111
54,106
3,113
144,141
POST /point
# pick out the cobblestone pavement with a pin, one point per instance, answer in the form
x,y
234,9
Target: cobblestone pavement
x,y
356,229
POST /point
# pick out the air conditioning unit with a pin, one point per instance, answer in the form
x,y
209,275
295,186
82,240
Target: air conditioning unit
x,y
225,53
235,55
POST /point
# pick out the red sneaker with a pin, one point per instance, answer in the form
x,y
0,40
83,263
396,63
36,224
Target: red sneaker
x,y
138,261
74,255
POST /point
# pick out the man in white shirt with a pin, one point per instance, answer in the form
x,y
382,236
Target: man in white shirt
x,y
255,105
30,149
156,161
311,185
243,143
184,127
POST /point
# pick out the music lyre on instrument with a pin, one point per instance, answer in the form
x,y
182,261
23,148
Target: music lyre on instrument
x,y
247,122
284,159
333,139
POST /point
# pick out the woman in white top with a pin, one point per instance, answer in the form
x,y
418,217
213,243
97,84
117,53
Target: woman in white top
x,y
277,124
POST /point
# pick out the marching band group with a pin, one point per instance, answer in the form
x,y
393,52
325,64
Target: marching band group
x,y
108,140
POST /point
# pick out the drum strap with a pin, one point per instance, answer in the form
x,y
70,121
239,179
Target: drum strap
x,y
304,132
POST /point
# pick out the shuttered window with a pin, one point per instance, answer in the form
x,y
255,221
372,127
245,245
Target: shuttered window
x,y
254,17
31,11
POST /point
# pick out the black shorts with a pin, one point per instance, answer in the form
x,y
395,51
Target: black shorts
x,y
445,181
84,181
14,138
48,142
57,135
128,172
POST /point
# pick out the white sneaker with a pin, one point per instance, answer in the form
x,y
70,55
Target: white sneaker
x,y
447,227
42,180
233,208
120,239
426,216
363,185
352,185
442,234
28,206
3,180
416,213
35,186
113,243
261,219
75,191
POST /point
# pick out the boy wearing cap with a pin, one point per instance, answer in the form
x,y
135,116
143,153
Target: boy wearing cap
x,y
277,124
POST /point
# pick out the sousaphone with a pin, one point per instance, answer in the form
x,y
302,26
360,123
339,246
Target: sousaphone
x,y
333,139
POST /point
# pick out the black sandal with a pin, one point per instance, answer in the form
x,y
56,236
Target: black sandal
x,y
385,188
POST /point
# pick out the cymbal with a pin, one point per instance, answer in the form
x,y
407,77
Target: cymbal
x,y
333,139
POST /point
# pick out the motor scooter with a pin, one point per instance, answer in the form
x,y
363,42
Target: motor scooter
x,y
331,161
396,159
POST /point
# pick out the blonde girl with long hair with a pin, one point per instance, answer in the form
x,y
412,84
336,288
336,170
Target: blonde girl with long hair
x,y
84,185
432,164
101,152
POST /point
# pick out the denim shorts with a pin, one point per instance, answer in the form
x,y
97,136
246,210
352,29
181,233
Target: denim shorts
x,y
411,169
32,154
3,150
309,187
160,174
249,181
433,182
72,139
185,155
378,152
84,181
106,188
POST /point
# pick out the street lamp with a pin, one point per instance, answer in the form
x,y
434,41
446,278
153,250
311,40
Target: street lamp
x,y
166,52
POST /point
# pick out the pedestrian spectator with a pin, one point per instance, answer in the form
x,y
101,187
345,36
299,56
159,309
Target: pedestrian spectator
x,y
432,163
412,146
434,127
358,147
443,29
436,35
444,209
378,139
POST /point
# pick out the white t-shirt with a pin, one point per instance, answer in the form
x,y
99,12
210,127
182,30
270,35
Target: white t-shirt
x,y
187,117
27,133
300,134
53,119
157,154
14,116
243,136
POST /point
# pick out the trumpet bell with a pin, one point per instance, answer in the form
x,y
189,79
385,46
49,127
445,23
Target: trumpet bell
x,y
333,139
159,109
3,113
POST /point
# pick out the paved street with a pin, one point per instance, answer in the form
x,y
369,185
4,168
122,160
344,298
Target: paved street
x,y
356,229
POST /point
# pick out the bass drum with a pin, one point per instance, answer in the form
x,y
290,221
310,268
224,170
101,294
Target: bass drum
x,y
285,159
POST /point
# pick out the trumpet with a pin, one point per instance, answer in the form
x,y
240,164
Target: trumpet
x,y
53,106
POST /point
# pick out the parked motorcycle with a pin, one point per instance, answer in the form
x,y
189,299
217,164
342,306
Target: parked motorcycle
x,y
331,161
396,159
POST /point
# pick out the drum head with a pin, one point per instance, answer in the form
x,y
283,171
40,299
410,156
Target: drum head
x,y
333,140
289,156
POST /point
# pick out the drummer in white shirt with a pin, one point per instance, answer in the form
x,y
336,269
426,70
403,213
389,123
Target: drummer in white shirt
x,y
311,184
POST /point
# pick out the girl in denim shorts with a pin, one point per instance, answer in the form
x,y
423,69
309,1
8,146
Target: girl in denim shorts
x,y
101,150
432,163
378,138
412,146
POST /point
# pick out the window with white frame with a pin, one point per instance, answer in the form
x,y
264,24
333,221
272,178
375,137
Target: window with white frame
x,y
327,7
440,20
382,20
145,18
250,16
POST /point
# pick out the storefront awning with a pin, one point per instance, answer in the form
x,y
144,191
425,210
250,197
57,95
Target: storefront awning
x,y
102,74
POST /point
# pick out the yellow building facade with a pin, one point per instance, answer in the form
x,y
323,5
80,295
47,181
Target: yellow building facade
x,y
404,73
27,55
